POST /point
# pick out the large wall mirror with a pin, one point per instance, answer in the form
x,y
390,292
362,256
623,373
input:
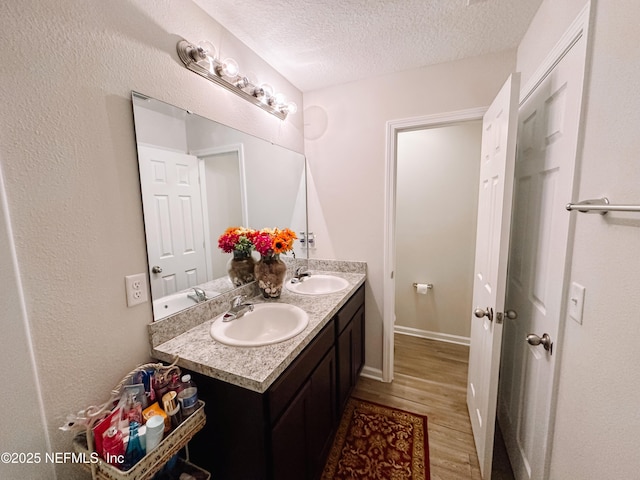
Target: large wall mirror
x,y
199,177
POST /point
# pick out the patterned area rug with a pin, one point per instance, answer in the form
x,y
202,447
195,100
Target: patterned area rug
x,y
378,442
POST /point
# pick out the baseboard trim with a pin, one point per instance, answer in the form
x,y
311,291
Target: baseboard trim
x,y
442,337
373,373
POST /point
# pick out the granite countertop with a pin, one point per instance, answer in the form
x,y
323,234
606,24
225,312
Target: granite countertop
x,y
254,368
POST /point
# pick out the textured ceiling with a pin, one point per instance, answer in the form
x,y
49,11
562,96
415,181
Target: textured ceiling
x,y
318,43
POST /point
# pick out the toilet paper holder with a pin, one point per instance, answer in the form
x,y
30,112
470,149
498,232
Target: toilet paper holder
x,y
429,285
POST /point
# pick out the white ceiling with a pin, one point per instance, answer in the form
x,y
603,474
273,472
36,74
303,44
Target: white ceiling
x,y
318,43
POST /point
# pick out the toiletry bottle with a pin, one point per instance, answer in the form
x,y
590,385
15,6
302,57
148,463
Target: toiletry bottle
x,y
133,409
113,447
175,385
160,385
188,397
134,451
145,377
172,408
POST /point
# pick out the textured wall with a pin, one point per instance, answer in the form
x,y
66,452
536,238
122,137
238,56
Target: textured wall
x,y
69,160
345,147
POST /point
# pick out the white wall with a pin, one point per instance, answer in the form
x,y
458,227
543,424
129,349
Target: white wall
x,y
345,148
597,417
70,165
438,171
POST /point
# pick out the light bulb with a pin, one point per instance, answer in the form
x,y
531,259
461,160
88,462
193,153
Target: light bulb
x,y
280,99
291,107
258,92
242,82
267,89
208,49
229,68
207,54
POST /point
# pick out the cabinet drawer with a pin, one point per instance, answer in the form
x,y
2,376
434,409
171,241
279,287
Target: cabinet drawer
x,y
349,309
283,390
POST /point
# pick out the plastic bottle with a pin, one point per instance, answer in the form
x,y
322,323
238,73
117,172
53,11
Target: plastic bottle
x,y
113,447
134,452
188,397
175,384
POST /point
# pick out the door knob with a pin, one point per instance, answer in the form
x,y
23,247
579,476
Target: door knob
x,y
545,341
510,314
156,269
480,313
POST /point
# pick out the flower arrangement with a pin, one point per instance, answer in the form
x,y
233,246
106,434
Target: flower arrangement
x,y
267,242
273,241
237,239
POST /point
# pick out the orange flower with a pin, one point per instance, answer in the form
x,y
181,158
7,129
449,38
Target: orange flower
x,y
282,240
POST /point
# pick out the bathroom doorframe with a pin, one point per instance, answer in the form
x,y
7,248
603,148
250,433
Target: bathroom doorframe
x,y
393,127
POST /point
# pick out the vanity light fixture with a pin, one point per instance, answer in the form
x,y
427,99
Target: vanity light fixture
x,y
203,60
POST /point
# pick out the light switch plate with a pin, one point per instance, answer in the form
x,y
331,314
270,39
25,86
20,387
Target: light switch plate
x,y
576,302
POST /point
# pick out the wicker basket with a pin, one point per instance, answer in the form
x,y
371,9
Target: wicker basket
x,y
152,462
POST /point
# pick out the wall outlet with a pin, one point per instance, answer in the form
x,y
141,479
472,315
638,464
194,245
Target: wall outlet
x,y
136,286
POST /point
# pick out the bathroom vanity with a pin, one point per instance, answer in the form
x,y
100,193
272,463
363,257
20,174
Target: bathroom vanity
x,y
272,411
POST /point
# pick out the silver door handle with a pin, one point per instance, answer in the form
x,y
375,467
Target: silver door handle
x,y
545,341
480,313
156,269
510,314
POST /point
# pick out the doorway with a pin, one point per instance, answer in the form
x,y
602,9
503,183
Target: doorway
x,y
394,129
433,149
436,208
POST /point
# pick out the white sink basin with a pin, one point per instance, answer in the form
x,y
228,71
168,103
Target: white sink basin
x,y
174,303
318,285
268,323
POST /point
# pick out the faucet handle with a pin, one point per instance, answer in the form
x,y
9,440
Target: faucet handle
x,y
235,301
301,269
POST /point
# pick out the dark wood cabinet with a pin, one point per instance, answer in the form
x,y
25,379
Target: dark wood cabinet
x,y
302,436
287,431
350,346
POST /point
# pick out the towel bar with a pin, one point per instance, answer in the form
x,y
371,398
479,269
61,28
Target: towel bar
x,y
601,206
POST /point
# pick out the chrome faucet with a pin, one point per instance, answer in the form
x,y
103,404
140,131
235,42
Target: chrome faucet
x,y
198,295
300,274
237,308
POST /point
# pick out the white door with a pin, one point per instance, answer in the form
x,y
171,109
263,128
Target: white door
x,y
492,243
173,219
545,164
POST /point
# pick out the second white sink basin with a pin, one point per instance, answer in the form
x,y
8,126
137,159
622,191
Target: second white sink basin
x,y
318,285
174,303
268,323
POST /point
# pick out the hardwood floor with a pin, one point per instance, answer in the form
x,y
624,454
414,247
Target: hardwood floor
x,y
430,378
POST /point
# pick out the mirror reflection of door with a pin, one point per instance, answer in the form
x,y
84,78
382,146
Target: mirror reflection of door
x,y
174,228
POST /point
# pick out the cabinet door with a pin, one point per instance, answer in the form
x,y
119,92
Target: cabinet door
x,y
345,360
350,356
358,344
321,416
289,439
